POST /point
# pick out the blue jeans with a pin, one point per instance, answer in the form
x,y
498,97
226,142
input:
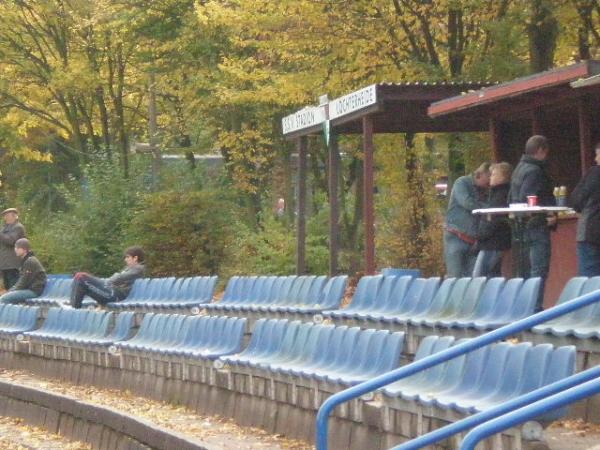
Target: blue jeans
x,y
488,264
458,256
588,259
17,296
538,245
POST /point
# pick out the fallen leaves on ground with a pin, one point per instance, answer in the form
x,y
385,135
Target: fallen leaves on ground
x,y
218,432
16,435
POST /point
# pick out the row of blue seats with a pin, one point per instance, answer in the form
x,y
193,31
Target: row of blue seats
x,y
169,292
167,334
287,294
193,336
56,292
485,377
465,302
346,356
583,323
82,326
324,352
15,319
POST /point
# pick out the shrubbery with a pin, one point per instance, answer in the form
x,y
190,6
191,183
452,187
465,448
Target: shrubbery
x,y
184,233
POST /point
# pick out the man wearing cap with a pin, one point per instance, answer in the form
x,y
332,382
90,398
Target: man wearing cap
x,y
32,276
12,231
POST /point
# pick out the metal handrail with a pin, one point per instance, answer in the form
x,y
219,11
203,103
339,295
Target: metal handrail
x,y
500,410
529,412
322,425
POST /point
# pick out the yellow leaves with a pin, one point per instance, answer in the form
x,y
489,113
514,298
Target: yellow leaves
x,y
249,155
76,77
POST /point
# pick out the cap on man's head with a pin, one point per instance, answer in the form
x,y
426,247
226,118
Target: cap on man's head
x,y
10,210
23,243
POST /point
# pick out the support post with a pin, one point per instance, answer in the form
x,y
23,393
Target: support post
x,y
496,136
334,204
369,207
585,135
536,121
302,146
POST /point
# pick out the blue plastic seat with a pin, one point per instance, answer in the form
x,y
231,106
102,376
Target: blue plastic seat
x,y
499,381
342,355
531,371
477,306
571,290
395,299
366,291
410,387
418,297
583,323
16,319
509,309
383,294
423,309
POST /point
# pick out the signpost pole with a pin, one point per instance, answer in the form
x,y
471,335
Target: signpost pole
x,y
302,145
334,206
369,208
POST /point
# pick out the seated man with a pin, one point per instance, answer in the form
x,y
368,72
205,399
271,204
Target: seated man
x,y
113,289
32,276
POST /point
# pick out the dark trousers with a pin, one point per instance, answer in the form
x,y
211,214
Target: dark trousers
x,y
86,284
538,244
588,259
10,277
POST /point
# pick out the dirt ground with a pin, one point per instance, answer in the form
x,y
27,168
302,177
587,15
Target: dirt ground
x,y
573,435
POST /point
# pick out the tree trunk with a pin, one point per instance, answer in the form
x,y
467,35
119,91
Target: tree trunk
x,y
542,31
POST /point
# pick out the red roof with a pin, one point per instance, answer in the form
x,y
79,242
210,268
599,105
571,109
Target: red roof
x,y
520,86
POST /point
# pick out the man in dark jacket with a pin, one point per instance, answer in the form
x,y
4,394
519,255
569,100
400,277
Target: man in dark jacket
x,y
585,199
32,276
530,178
460,233
494,234
10,233
113,289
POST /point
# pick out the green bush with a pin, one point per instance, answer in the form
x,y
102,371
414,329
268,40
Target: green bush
x,y
91,232
184,233
271,249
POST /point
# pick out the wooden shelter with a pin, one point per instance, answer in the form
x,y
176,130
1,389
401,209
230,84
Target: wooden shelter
x,y
379,108
562,104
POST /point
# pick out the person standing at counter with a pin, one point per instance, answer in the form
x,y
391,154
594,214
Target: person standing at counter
x,y
460,235
531,178
494,234
585,199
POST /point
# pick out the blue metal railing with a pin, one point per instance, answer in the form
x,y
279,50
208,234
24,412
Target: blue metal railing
x,y
529,412
322,429
500,410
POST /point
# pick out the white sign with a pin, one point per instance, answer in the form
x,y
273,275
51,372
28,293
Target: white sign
x,y
353,102
305,118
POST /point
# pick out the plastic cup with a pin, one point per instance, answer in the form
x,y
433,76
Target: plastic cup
x,y
532,200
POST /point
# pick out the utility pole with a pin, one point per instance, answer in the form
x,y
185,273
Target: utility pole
x,y
153,133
